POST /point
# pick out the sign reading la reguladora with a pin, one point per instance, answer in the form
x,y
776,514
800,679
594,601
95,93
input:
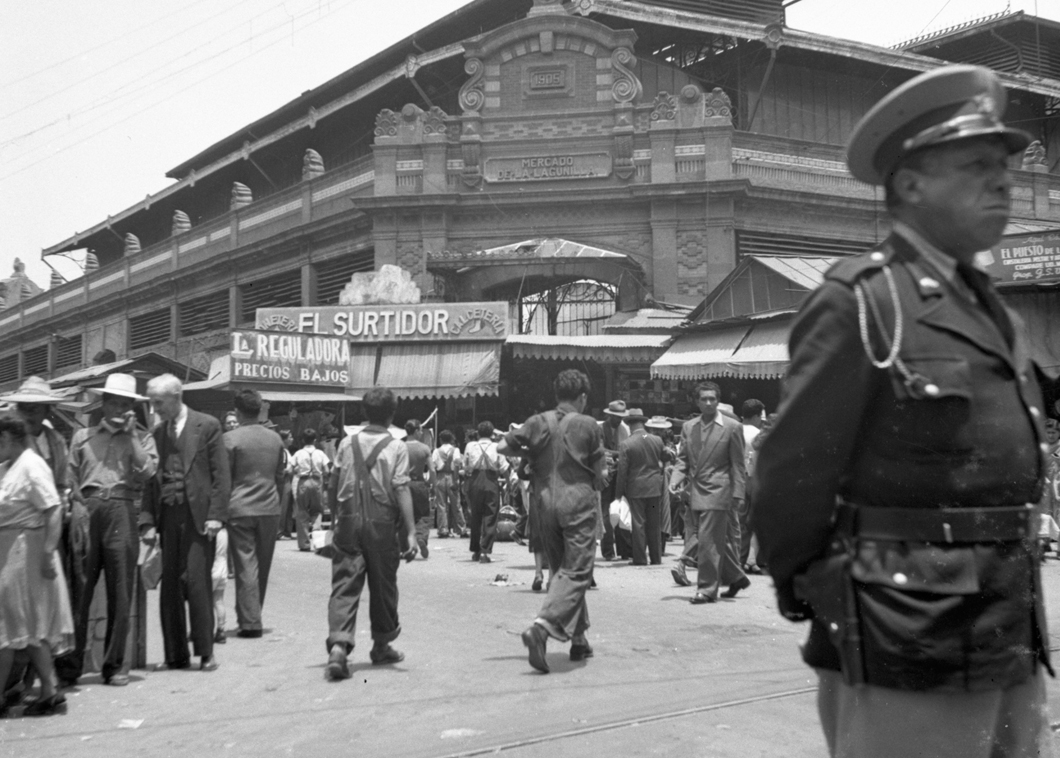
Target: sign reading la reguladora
x,y
426,322
290,358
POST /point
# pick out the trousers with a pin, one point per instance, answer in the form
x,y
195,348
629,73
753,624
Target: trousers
x,y
484,500
219,578
251,543
568,536
113,547
349,572
646,516
186,591
864,721
450,514
607,542
717,534
308,508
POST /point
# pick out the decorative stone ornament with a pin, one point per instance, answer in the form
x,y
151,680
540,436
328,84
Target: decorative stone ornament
x,y
664,107
547,7
718,105
181,223
132,244
312,164
1035,156
386,123
56,280
91,262
627,87
472,97
241,196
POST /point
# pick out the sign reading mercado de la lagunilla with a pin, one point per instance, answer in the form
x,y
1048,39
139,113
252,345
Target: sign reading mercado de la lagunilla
x,y
424,322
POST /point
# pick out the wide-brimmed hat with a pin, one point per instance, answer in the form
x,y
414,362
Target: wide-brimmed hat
x,y
635,414
122,385
616,408
944,105
33,390
658,422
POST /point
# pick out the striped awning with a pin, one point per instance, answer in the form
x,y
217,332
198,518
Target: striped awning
x,y
440,369
744,351
604,348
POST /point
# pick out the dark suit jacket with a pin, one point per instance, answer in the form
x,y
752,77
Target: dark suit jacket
x,y
207,480
715,465
640,466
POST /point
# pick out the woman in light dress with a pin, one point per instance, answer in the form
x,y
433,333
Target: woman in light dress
x,y
34,603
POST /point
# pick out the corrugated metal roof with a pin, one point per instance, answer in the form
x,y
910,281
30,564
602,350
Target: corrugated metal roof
x,y
645,319
551,247
805,271
604,348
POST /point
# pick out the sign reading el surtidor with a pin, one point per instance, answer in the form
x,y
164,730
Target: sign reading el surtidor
x,y
425,322
289,358
1025,258
547,167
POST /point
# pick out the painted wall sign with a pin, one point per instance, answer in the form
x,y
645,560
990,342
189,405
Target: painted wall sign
x,y
1026,258
548,167
426,322
287,358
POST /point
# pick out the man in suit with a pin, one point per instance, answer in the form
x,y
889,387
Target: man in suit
x,y
711,461
898,521
615,431
639,479
185,507
257,460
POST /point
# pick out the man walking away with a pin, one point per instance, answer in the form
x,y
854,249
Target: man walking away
x,y
311,467
448,463
371,492
639,479
752,415
615,431
421,476
566,454
484,468
256,458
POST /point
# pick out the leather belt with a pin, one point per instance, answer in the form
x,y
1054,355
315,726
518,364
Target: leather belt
x,y
114,492
942,525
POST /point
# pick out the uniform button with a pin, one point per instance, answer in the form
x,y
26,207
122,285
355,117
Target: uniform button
x,y
834,626
1023,378
1045,447
900,578
1035,413
877,256
932,390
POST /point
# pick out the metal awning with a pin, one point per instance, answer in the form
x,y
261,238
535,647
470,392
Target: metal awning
x,y
439,369
744,351
604,348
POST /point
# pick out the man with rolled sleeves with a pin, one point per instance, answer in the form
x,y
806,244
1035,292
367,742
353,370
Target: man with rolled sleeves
x,y
565,450
898,520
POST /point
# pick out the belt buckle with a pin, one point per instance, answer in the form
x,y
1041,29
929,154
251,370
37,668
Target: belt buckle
x,y
947,533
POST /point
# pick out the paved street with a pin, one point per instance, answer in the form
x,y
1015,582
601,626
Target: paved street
x,y
668,678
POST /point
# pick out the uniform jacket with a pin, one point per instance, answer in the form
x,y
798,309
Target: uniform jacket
x,y
640,466
714,462
966,433
207,479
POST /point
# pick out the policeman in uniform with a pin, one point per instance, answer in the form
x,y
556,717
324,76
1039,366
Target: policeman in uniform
x,y
898,519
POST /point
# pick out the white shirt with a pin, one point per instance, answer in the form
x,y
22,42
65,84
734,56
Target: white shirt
x,y
439,457
482,454
180,420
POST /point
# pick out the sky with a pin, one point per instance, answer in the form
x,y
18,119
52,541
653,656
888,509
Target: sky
x,y
99,100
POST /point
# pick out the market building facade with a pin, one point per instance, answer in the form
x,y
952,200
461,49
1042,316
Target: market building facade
x,y
519,148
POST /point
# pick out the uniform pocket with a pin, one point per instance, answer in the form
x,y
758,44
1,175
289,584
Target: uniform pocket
x,y
920,568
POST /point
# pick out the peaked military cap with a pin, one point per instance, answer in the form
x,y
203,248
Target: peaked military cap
x,y
947,104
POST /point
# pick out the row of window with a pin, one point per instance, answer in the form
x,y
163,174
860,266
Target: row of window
x,y
196,316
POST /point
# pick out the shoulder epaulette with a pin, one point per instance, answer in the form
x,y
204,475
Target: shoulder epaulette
x,y
849,270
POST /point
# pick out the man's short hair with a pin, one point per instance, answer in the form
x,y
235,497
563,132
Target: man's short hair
x,y
752,408
412,427
706,387
446,437
14,426
379,405
165,384
309,437
570,384
485,429
914,162
248,402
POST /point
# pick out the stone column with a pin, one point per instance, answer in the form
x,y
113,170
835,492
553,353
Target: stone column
x,y
663,272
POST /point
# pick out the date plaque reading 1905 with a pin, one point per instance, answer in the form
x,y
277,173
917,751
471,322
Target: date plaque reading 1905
x,y
548,167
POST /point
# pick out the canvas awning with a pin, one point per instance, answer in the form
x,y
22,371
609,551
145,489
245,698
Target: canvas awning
x,y
744,351
605,348
439,369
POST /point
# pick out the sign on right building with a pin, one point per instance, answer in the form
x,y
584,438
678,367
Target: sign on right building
x,y
1025,259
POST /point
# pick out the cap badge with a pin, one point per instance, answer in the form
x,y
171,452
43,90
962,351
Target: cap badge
x,y
928,283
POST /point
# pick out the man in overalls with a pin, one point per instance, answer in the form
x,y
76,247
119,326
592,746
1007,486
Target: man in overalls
x,y
421,475
447,466
484,466
370,489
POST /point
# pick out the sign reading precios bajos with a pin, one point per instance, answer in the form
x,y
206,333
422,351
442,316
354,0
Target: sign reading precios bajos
x,y
425,322
290,358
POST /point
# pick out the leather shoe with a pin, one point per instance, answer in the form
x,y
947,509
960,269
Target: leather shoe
x,y
46,706
740,584
535,638
116,680
219,637
385,655
209,663
249,634
173,666
475,557
484,559
580,649
538,581
700,599
678,573
338,667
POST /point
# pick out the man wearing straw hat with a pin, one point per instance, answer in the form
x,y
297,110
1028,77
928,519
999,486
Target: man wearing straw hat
x,y
615,431
108,466
899,520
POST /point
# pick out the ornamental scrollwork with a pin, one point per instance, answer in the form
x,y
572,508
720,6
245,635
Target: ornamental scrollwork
x,y
626,87
386,123
472,97
664,108
434,121
718,104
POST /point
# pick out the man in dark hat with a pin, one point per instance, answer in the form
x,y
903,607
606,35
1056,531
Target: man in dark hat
x,y
898,521
616,431
639,479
